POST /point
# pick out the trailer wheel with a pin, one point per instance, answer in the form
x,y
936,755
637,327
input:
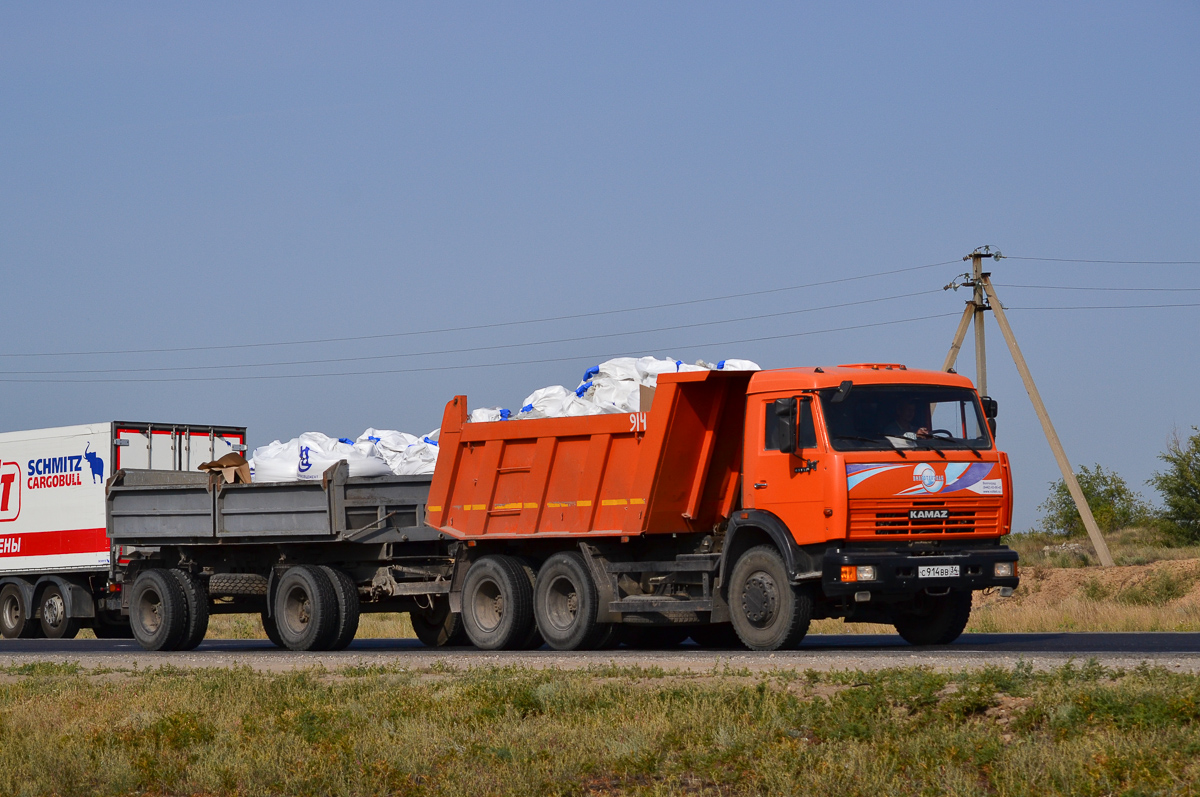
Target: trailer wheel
x,y
14,618
438,627
271,629
497,604
55,622
566,604
157,610
934,619
768,613
348,608
716,636
306,609
196,594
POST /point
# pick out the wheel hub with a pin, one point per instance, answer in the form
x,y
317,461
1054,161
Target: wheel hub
x,y
760,598
53,610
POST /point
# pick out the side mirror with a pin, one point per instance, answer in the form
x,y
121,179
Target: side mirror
x,y
785,414
989,407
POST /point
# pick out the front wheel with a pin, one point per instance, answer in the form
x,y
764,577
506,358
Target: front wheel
x,y
767,611
934,619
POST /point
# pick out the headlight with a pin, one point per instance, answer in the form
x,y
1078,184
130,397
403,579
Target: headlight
x,y
1005,569
852,573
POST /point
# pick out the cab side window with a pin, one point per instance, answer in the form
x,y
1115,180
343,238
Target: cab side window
x,y
774,431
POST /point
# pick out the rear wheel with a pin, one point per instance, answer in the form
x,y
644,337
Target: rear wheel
x,y
55,622
306,609
271,629
438,627
14,617
348,607
934,619
157,610
196,594
566,604
497,604
768,613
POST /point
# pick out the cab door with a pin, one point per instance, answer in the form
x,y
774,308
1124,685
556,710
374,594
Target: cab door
x,y
791,486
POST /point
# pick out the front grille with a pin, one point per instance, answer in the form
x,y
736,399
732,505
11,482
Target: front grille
x,y
891,518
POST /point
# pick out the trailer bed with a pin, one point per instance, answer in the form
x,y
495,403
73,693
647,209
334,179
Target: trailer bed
x,y
152,508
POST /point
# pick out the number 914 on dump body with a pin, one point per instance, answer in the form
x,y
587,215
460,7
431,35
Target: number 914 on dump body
x,y
734,510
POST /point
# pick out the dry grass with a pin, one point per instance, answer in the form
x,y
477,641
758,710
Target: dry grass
x,y
391,731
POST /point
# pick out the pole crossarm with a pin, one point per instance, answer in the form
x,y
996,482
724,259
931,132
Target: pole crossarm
x,y
1064,464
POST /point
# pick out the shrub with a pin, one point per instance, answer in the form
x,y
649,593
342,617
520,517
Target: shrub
x,y
1113,504
1180,487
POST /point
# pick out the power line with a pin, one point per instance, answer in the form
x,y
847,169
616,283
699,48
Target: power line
x,y
496,347
593,357
472,327
1117,262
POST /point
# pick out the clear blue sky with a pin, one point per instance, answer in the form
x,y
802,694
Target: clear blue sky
x,y
177,176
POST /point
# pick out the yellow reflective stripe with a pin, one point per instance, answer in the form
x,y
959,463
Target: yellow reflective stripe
x,y
583,503
530,506
516,505
637,500
614,502
432,508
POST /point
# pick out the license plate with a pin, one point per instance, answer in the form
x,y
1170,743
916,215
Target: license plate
x,y
937,571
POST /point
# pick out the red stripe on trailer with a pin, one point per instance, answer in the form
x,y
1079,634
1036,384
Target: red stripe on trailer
x,y
50,543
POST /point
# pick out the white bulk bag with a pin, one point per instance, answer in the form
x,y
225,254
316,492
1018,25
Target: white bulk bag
x,y
738,365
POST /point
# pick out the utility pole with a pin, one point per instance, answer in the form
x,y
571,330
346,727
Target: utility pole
x,y
984,298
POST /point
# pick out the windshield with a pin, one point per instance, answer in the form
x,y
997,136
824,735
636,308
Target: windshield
x,y
883,417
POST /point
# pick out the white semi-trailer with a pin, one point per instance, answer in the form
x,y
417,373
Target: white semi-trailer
x,y
54,548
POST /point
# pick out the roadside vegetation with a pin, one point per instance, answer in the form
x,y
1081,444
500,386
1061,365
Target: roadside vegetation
x,y
1081,729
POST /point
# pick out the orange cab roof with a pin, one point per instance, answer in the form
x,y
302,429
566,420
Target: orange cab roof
x,y
861,374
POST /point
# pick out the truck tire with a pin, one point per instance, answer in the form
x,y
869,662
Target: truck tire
x,y
534,640
157,610
306,609
935,619
196,594
438,627
14,617
497,604
768,613
716,636
271,629
55,622
348,608
566,604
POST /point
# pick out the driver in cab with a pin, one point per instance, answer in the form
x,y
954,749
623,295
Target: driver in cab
x,y
905,424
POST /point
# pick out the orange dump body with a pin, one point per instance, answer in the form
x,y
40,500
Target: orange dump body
x,y
675,468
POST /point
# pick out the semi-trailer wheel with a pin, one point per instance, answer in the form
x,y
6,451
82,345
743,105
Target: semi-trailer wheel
x,y
196,594
716,636
14,617
348,607
497,604
271,629
55,622
306,609
566,604
438,627
934,619
157,610
767,611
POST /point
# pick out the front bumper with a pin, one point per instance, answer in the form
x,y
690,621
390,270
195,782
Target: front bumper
x,y
896,572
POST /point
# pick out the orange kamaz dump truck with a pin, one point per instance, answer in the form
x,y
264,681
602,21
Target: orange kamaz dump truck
x,y
736,509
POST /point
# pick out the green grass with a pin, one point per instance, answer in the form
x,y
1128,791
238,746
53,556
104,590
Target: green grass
x,y
389,730
1132,546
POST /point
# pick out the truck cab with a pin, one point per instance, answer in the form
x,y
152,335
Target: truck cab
x,y
883,489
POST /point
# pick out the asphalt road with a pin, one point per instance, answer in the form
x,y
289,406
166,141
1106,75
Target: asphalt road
x,y
1177,651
